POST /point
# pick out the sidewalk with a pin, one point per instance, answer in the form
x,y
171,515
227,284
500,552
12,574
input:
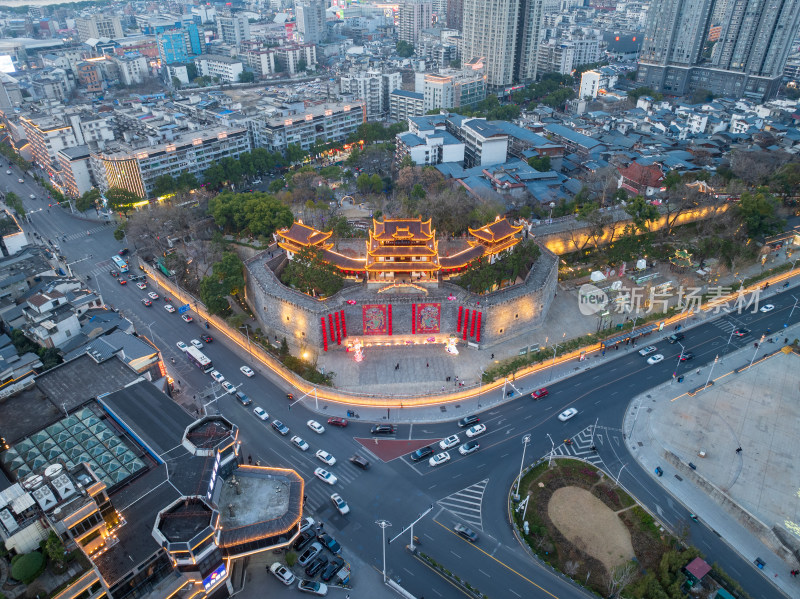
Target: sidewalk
x,y
743,496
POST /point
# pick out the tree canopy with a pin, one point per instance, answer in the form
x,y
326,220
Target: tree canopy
x,y
121,199
759,213
404,49
258,213
308,272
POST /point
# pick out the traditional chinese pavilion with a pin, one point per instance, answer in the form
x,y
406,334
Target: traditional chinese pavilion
x,y
404,250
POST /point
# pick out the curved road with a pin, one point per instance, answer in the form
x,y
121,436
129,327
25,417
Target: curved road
x,y
469,489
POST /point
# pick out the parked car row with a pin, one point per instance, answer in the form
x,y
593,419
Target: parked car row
x,y
450,442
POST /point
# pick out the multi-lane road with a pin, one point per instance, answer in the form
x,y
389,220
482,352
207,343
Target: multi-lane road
x,y
469,489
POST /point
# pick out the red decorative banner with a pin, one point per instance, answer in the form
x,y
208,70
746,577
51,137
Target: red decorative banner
x,y
478,337
344,326
332,329
466,322
373,317
324,335
389,317
428,318
460,316
413,318
338,330
472,330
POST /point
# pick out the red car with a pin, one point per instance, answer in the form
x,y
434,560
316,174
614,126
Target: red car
x,y
122,281
336,421
540,393
206,338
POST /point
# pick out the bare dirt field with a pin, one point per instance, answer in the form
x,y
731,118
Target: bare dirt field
x,y
591,526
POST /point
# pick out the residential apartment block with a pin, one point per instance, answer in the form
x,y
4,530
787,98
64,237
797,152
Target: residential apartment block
x,y
233,28
373,87
311,25
414,16
319,123
291,56
98,26
404,105
47,136
453,88
135,167
505,33
223,68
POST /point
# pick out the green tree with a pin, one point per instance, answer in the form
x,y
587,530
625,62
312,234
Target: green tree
x,y
363,183
758,212
176,83
230,270
186,181
119,232
27,567
258,213
404,49
191,71
310,273
331,173
376,183
163,185
294,153
637,93
14,202
55,549
302,65
213,295
672,180
641,213
246,77
540,163
89,199
418,192
121,199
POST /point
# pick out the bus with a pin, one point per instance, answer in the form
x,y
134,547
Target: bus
x,y
120,263
199,359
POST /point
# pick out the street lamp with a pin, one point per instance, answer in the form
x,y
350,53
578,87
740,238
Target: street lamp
x,y
679,359
555,351
552,450
384,524
716,359
788,318
247,332
552,205
525,440
756,350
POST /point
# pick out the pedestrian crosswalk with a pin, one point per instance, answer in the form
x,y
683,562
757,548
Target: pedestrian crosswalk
x,y
581,446
82,234
466,504
318,494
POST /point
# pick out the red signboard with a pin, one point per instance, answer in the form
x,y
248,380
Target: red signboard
x,y
375,319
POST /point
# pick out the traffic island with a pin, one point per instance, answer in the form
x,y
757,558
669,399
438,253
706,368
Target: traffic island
x,y
576,519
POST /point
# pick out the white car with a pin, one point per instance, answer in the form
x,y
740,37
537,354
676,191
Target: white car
x,y
261,413
282,573
567,414
655,359
169,308
451,441
766,308
324,456
247,371
21,180
315,426
647,350
152,295
312,587
476,430
217,376
325,476
439,459
141,285
186,318
8,172
340,504
299,443
33,196
228,387
182,346
306,523
197,343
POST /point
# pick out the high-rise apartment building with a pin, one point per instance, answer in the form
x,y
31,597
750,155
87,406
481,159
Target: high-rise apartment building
x,y
98,26
233,28
506,34
455,13
180,45
747,60
311,24
415,15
